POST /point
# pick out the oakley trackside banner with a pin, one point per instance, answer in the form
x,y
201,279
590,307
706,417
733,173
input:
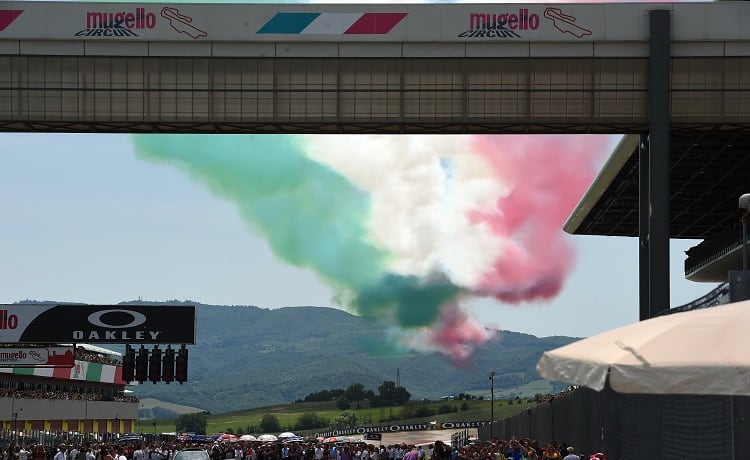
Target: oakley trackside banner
x,y
148,324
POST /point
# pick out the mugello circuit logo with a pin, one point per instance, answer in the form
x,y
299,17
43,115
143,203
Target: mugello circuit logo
x,y
7,17
132,23
512,24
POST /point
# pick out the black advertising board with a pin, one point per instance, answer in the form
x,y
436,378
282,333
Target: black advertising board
x,y
147,324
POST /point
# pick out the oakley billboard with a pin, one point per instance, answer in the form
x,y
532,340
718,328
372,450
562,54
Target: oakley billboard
x,y
147,324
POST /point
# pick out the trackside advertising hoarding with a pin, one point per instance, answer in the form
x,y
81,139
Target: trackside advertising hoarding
x,y
366,22
398,428
37,356
147,324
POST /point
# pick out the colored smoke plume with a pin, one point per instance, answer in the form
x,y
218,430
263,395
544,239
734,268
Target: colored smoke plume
x,y
404,226
545,176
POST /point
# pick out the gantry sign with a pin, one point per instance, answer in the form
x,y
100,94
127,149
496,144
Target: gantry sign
x,y
131,324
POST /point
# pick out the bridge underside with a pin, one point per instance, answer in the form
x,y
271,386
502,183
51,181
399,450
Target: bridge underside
x,y
373,95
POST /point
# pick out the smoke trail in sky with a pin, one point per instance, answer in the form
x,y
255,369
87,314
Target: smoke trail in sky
x,y
311,217
407,226
546,175
485,212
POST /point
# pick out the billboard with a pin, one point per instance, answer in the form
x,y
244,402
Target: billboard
x,y
146,324
37,356
396,22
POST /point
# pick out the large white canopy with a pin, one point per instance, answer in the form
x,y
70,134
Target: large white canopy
x,y
696,352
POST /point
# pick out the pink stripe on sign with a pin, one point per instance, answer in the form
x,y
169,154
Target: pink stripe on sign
x,y
375,23
61,373
8,16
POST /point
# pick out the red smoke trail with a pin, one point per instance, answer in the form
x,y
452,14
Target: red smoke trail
x,y
546,176
456,335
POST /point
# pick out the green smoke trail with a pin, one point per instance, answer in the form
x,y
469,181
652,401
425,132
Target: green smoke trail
x,y
311,216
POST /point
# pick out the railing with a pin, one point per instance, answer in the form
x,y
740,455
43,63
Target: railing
x,y
53,438
460,438
717,296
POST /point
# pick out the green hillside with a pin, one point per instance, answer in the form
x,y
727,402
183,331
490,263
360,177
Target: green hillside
x,y
247,421
247,357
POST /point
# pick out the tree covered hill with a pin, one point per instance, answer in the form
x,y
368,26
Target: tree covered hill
x,y
247,357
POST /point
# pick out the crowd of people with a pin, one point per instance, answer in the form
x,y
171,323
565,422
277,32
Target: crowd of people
x,y
527,449
498,449
67,395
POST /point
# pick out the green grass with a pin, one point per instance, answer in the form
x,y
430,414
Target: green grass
x,y
287,414
532,388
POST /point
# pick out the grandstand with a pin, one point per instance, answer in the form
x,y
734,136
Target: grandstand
x,y
86,400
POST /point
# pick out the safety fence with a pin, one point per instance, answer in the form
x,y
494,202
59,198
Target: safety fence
x,y
53,438
630,426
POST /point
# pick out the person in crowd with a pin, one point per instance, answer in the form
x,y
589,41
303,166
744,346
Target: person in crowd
x,y
39,452
412,454
551,452
516,450
440,451
12,452
140,452
571,454
62,453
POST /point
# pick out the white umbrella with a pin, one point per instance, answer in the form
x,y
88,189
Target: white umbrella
x,y
248,437
695,352
287,434
267,438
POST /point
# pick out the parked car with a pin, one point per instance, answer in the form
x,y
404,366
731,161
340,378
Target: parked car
x,y
192,453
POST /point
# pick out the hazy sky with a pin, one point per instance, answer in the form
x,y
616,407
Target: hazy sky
x,y
86,220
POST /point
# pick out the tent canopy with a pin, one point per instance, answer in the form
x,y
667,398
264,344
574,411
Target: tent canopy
x,y
695,352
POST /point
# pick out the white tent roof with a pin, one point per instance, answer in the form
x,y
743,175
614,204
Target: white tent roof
x,y
695,352
94,348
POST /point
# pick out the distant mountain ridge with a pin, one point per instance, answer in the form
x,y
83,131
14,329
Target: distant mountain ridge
x,y
248,357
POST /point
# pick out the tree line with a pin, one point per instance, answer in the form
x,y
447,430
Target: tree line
x,y
389,394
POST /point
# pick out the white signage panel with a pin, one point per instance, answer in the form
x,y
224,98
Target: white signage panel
x,y
366,22
37,356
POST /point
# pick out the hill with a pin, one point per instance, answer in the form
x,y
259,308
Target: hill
x,y
248,357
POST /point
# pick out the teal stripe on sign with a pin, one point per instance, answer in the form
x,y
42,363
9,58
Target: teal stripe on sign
x,y
288,23
23,370
94,372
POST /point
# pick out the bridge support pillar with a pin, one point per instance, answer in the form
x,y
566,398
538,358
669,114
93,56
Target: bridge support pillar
x,y
654,220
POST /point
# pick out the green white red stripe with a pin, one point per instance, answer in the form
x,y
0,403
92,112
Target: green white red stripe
x,y
81,370
332,23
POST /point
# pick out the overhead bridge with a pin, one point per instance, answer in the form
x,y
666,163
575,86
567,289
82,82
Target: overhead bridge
x,y
448,68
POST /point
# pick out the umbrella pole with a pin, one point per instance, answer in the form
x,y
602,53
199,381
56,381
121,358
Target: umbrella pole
x,y
744,205
744,242
731,419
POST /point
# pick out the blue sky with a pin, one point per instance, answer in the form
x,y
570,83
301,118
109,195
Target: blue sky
x,y
85,220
